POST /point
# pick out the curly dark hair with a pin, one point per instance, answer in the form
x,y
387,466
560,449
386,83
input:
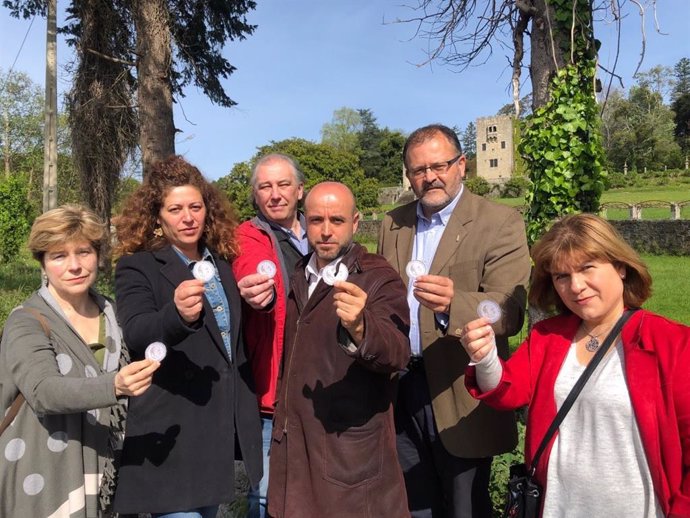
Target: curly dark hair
x,y
136,223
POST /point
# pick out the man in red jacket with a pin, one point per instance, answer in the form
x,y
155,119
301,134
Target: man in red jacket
x,y
278,235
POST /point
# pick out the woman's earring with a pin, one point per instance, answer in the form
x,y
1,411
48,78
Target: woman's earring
x,y
44,278
158,232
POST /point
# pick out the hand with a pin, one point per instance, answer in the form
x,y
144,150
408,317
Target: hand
x,y
257,290
349,301
189,300
135,378
477,337
435,292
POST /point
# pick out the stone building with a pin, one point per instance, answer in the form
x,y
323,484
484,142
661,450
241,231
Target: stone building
x,y
495,148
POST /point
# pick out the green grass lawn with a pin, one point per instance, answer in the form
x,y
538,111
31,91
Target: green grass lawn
x,y
670,193
670,286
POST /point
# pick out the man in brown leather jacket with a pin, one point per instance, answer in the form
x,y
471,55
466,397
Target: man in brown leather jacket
x,y
333,450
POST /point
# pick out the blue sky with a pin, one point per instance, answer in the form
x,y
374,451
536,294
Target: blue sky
x,y
309,58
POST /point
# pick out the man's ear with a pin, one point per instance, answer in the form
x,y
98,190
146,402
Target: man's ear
x,y
355,222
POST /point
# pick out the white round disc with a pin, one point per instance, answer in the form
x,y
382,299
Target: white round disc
x,y
332,273
489,310
203,270
267,268
415,268
156,351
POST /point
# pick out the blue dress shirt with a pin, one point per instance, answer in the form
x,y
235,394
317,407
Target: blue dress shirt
x,y
426,240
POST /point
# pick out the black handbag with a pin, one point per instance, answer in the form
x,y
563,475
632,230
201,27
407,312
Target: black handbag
x,y
524,492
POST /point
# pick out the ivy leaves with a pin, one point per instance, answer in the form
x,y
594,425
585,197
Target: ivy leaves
x,y
562,148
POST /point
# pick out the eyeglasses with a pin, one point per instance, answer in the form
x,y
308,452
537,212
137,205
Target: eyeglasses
x,y
438,168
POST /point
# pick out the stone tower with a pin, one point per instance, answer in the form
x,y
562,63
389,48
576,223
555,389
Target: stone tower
x,y
495,159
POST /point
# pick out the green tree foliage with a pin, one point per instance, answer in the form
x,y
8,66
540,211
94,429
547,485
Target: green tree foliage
x,y
525,108
469,140
21,105
681,110
238,189
318,162
199,32
639,131
681,71
658,79
16,215
342,132
379,149
478,185
681,103
21,140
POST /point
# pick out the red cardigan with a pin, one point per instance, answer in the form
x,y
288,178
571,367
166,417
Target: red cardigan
x,y
263,330
657,368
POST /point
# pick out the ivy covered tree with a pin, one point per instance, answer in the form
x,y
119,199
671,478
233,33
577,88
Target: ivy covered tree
x,y
562,65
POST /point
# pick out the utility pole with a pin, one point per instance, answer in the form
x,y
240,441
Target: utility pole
x,y
50,131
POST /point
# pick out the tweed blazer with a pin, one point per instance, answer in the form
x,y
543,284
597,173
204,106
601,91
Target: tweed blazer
x,y
484,251
184,433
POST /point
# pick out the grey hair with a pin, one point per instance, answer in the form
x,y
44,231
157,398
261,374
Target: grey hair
x,y
299,176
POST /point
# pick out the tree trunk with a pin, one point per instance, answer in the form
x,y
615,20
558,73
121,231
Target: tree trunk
x,y
6,141
157,130
545,52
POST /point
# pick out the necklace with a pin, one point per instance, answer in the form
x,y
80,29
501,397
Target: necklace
x,y
593,343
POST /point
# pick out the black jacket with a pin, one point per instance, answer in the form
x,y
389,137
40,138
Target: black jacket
x,y
185,432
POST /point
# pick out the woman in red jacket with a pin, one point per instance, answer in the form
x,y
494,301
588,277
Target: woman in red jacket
x,y
623,448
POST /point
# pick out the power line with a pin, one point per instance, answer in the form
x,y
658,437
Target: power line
x,y
9,73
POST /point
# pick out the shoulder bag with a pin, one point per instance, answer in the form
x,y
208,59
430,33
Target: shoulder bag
x,y
19,400
524,492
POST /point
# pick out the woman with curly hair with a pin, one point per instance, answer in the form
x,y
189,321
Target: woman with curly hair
x,y
200,414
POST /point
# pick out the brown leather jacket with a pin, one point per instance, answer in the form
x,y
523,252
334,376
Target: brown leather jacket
x,y
333,450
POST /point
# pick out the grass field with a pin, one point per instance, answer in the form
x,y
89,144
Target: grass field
x,y
671,193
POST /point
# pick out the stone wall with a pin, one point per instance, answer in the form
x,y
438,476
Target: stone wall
x,y
671,237
668,237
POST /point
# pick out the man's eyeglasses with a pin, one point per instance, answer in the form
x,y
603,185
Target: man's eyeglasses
x,y
439,168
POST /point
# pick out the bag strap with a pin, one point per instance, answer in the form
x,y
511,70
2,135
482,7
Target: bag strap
x,y
19,400
579,384
12,412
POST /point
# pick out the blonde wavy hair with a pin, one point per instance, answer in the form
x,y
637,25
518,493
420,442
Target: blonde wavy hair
x,y
65,224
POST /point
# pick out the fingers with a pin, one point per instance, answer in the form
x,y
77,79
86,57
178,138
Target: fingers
x,y
256,289
135,378
477,337
434,292
349,301
188,299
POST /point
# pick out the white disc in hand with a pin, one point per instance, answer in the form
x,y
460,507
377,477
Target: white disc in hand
x,y
156,351
203,270
267,268
415,268
333,273
489,310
